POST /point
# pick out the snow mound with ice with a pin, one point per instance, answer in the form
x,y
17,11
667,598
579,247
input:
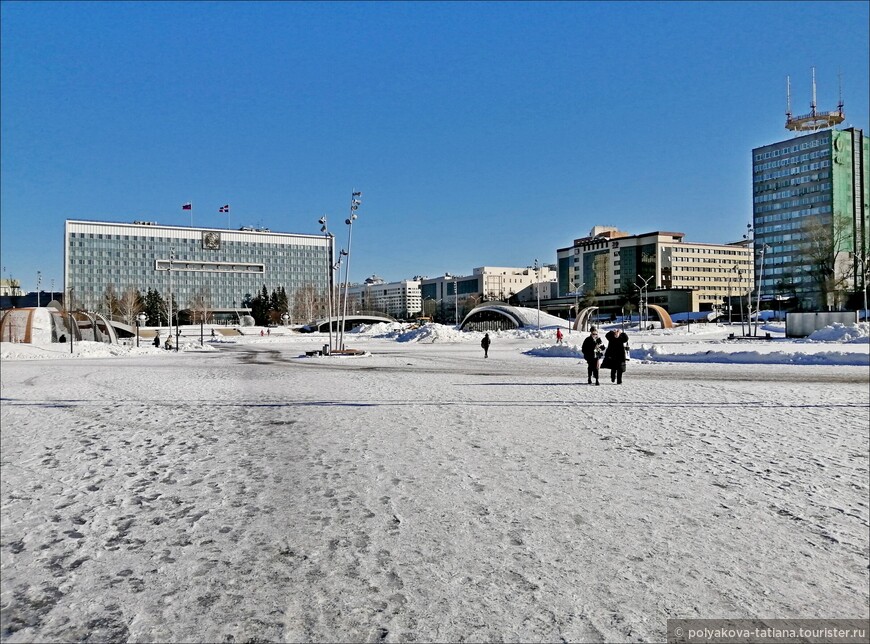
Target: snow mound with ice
x,y
858,333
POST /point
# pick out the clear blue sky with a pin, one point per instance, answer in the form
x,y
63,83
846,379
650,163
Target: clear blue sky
x,y
479,133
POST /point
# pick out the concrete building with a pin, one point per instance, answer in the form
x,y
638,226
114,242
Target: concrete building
x,y
220,265
810,215
609,264
450,297
400,300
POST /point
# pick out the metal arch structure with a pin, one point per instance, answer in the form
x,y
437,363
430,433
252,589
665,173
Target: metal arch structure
x,y
349,320
663,316
499,316
581,322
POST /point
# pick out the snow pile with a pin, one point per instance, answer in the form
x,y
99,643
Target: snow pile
x,y
858,333
85,349
555,351
662,353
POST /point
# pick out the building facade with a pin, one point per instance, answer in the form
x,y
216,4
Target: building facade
x,y
810,216
218,265
608,263
400,300
451,296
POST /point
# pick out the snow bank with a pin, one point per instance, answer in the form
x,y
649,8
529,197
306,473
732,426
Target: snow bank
x,y
858,333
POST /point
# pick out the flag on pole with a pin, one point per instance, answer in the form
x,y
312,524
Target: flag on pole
x,y
187,206
224,208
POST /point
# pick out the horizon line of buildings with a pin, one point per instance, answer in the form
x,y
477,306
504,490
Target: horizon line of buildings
x,y
808,243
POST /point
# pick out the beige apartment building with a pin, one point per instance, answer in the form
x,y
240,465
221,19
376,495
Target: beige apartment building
x,y
679,275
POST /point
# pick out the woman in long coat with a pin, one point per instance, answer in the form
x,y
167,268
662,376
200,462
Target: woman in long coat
x,y
615,354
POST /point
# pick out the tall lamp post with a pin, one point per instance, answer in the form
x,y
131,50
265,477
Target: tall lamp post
x,y
863,259
355,202
72,322
38,283
575,289
329,276
140,320
759,286
643,289
739,272
538,293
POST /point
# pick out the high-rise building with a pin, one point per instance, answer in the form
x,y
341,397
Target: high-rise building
x,y
810,211
810,216
217,265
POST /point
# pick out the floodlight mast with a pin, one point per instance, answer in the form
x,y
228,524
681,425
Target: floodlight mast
x,y
355,201
330,272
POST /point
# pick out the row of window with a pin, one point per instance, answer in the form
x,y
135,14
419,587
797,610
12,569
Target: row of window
x,y
791,181
796,203
791,149
788,172
791,160
783,194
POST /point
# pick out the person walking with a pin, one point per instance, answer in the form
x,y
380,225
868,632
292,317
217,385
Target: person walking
x,y
157,340
614,355
558,336
485,344
593,351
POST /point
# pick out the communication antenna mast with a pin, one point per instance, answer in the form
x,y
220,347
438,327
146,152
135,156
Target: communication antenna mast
x,y
815,120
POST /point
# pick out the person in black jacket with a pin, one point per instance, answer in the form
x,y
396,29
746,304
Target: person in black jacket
x,y
615,354
593,350
485,344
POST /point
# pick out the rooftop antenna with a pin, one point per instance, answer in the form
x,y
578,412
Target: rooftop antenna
x,y
787,98
814,121
840,92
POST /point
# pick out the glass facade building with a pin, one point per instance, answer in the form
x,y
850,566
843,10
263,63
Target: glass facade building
x,y
222,266
810,192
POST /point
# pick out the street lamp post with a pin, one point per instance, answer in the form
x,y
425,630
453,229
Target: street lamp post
x,y
863,259
759,286
575,290
354,205
140,320
38,283
329,277
739,272
538,292
643,289
69,308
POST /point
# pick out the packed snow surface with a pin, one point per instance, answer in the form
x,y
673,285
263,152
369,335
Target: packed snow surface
x,y
244,490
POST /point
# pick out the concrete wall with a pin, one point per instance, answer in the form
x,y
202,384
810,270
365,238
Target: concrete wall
x,y
800,325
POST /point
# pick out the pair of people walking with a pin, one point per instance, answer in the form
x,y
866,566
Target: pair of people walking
x,y
612,357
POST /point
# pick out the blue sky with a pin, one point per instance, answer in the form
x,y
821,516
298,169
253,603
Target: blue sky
x,y
479,133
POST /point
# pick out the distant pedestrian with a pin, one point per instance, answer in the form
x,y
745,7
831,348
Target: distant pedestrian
x,y
261,333
614,355
212,333
168,344
157,341
558,336
593,351
485,344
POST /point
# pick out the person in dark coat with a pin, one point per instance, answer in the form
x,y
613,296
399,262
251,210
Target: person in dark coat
x,y
157,340
617,341
485,344
593,351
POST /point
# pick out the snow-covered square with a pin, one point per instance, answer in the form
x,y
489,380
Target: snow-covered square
x,y
244,491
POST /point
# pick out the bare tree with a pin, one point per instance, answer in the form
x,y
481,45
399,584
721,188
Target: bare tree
x,y
826,245
200,306
129,305
305,303
109,301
